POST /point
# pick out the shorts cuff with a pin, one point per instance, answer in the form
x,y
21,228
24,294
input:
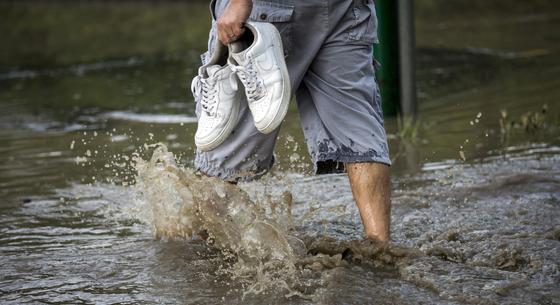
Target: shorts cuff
x,y
233,175
357,157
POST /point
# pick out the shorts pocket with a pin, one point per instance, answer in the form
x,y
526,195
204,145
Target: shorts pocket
x,y
278,14
364,22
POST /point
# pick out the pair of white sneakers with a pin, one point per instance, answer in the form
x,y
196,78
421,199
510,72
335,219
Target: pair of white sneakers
x,y
256,62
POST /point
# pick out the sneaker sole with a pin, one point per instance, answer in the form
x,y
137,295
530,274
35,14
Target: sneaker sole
x,y
224,134
286,96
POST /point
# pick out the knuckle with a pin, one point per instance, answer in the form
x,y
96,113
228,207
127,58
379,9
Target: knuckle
x,y
223,22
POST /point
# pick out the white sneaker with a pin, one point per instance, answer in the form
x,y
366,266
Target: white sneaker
x,y
258,60
216,89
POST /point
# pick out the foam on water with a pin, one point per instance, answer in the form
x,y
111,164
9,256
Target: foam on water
x,y
464,234
186,204
155,118
267,249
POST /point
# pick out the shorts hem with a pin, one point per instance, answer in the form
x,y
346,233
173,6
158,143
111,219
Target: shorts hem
x,y
372,156
232,175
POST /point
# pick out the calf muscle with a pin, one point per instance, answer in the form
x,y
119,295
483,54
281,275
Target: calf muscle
x,y
370,183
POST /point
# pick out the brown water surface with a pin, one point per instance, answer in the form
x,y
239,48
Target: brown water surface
x,y
93,211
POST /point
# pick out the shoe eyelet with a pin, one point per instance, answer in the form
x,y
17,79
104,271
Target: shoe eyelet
x,y
263,16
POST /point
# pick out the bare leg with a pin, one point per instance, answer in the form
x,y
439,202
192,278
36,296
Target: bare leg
x,y
370,183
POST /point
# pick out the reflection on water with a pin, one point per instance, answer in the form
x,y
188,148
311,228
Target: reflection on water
x,y
78,215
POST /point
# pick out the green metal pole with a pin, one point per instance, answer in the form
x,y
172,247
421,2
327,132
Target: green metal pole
x,y
387,53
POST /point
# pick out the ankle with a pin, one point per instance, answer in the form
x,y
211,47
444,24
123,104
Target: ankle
x,y
378,236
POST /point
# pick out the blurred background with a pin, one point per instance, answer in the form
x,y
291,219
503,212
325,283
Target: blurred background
x,y
85,84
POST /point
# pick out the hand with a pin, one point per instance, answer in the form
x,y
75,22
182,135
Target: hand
x,y
230,23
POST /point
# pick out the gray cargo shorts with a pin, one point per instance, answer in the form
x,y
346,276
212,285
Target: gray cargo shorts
x,y
328,47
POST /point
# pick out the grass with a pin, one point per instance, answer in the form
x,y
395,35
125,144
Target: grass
x,y
407,128
530,122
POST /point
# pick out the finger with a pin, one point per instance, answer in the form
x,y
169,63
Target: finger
x,y
234,35
223,32
230,33
238,30
223,36
242,30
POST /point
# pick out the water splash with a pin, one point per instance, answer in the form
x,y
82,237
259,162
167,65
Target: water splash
x,y
186,204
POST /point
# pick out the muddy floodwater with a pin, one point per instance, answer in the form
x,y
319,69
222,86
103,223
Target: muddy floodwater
x,y
99,201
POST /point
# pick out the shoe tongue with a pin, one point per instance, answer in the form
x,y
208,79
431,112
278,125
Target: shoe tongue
x,y
212,71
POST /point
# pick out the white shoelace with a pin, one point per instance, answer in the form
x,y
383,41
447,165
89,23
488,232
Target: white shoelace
x,y
204,90
254,86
